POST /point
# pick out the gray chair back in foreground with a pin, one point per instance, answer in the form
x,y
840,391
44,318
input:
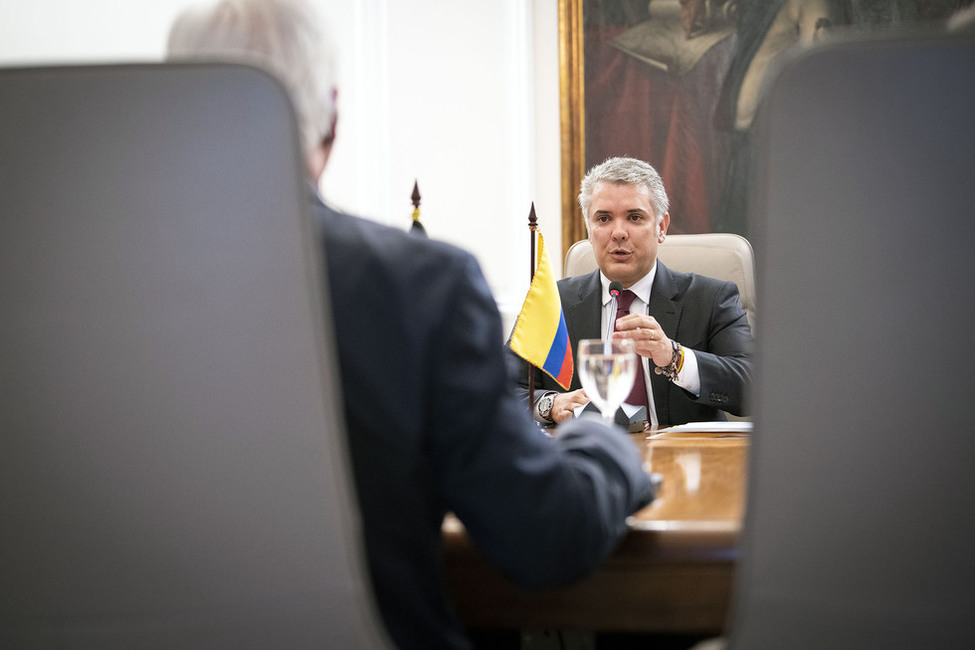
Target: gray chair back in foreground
x,y
860,530
173,470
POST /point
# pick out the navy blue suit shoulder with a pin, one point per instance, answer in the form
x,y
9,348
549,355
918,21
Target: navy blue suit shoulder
x,y
434,427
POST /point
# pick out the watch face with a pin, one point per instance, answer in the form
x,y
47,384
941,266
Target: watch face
x,y
545,406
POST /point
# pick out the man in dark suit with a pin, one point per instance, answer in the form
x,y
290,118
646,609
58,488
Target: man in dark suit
x,y
690,331
433,423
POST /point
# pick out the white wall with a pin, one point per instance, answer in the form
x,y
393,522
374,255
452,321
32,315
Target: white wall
x,y
460,95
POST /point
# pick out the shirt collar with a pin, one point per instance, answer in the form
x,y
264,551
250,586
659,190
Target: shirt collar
x,y
641,287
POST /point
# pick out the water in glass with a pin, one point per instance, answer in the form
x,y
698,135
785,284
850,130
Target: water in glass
x,y
607,370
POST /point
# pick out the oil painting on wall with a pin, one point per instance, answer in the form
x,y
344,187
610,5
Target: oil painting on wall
x,y
678,82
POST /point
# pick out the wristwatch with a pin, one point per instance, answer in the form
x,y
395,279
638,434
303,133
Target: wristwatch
x,y
543,407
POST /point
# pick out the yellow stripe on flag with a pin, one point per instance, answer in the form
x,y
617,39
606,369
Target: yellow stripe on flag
x,y
540,328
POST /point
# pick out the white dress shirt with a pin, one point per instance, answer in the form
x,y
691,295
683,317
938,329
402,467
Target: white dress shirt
x,y
689,377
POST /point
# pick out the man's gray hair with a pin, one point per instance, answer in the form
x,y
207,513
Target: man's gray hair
x,y
284,37
625,171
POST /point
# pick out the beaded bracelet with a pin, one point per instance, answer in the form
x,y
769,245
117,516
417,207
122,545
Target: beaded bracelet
x,y
676,363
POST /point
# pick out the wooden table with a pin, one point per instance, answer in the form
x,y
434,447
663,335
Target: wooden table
x,y
673,571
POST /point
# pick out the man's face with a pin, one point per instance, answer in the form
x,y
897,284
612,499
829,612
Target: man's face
x,y
623,231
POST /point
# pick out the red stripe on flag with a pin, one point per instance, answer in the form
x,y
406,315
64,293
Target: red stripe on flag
x,y
565,373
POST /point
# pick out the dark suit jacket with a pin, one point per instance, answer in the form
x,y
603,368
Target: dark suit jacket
x,y
698,312
434,426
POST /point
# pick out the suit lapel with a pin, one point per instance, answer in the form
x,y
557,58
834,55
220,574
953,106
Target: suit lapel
x,y
662,306
582,306
667,312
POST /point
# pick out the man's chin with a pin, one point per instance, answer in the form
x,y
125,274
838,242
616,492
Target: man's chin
x,y
617,270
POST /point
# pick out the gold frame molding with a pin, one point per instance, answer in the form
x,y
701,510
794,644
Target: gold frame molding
x,y
572,117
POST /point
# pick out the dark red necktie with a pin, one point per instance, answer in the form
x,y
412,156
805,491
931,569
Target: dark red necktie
x,y
638,396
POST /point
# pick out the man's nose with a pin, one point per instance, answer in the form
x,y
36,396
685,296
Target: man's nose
x,y
619,230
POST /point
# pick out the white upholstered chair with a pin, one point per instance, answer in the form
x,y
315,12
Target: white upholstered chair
x,y
718,255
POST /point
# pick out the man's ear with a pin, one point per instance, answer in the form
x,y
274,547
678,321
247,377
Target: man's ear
x,y
662,227
329,137
318,159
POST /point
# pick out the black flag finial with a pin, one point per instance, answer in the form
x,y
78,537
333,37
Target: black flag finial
x,y
416,227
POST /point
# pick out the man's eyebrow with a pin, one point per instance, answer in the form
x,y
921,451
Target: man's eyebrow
x,y
627,210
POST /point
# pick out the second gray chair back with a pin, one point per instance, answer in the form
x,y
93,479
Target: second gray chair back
x,y
860,530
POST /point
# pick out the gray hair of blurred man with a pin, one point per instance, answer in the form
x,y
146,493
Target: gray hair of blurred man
x,y
625,171
284,37
963,20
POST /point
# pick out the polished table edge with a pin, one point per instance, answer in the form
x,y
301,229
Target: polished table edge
x,y
665,576
646,542
655,581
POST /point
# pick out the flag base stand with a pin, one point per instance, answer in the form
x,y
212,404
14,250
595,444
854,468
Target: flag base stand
x,y
633,423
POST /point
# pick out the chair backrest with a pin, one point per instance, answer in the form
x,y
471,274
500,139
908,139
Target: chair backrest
x,y
173,470
718,255
859,530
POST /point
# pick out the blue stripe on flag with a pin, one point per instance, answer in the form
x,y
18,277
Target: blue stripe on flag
x,y
556,354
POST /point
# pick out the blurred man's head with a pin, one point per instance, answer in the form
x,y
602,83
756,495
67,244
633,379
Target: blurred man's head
x,y
286,38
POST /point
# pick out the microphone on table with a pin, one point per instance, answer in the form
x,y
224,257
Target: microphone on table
x,y
614,293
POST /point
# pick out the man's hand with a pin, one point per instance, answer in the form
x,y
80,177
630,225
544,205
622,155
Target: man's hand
x,y
648,337
564,405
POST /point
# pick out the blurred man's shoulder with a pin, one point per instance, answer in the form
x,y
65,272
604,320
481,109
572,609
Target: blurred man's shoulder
x,y
359,240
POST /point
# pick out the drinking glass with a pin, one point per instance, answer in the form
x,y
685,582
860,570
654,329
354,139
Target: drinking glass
x,y
607,369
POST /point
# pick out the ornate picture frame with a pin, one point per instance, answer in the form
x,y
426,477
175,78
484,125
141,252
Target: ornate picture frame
x,y
571,117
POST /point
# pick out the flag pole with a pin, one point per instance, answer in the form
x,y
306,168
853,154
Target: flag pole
x,y
532,229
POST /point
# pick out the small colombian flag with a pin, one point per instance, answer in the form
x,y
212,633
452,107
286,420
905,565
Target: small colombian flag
x,y
540,336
